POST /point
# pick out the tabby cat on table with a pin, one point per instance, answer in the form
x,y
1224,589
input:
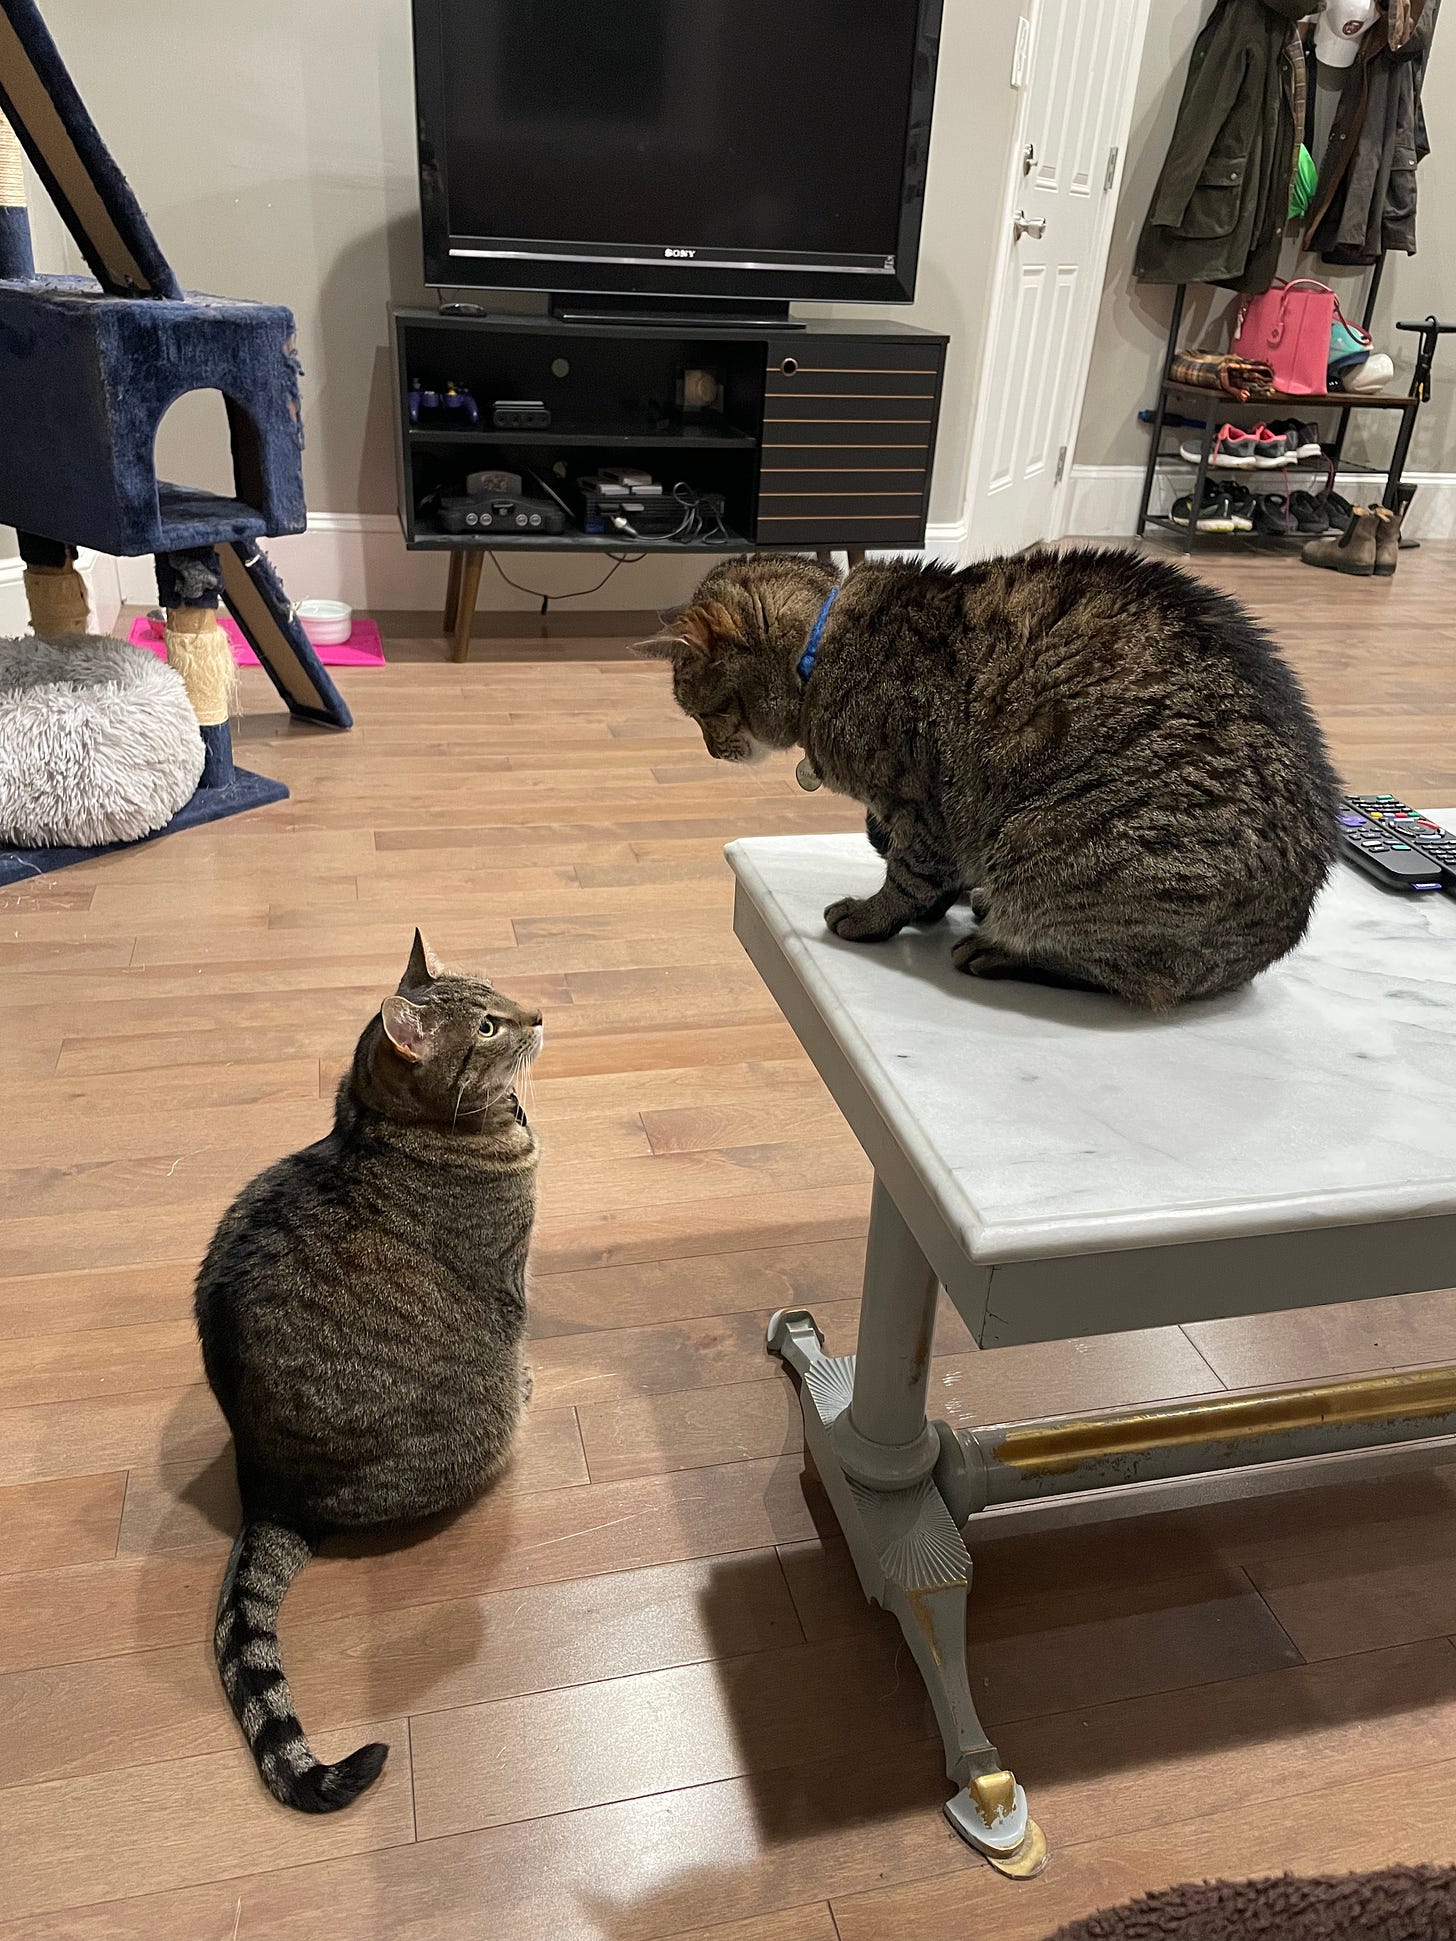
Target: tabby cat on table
x,y
362,1310
1108,756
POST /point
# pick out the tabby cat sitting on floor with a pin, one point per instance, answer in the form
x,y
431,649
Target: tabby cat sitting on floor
x,y
361,1309
1110,756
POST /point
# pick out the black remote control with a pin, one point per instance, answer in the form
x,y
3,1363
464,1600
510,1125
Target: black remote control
x,y
1396,844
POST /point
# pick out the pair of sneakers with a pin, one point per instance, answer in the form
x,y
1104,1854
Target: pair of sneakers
x,y
1223,508
1244,448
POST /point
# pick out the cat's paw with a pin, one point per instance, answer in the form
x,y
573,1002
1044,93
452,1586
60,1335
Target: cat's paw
x,y
860,920
978,959
528,1383
980,903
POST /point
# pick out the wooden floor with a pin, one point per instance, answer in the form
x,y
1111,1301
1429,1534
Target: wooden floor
x,y
636,1693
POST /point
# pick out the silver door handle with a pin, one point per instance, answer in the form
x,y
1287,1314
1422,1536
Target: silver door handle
x,y
1025,225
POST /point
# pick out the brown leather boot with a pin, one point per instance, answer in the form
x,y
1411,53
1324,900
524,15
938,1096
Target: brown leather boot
x,y
1353,551
1387,540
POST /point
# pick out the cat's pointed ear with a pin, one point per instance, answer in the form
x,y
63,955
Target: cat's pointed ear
x,y
692,630
661,647
404,1026
670,644
423,966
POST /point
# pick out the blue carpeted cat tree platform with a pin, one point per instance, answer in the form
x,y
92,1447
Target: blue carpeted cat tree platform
x,y
87,371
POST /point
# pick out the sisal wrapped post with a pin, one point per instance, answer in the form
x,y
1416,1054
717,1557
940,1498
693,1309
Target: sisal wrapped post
x,y
190,586
54,590
16,261
57,600
198,648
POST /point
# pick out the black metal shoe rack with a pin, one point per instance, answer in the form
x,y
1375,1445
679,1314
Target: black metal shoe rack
x,y
1220,410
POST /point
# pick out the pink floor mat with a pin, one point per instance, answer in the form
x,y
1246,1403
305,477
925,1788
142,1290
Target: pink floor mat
x,y
361,649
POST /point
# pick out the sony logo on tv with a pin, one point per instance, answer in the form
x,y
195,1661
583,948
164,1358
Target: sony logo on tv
x,y
674,253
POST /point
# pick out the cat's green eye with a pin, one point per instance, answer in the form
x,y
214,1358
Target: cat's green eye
x,y
487,1027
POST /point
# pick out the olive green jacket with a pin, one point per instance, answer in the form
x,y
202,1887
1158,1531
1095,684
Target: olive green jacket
x,y
1222,200
1365,202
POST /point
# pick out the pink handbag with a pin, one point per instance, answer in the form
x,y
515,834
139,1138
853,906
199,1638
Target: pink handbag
x,y
1288,328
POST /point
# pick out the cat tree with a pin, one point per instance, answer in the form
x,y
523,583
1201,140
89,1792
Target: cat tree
x,y
88,368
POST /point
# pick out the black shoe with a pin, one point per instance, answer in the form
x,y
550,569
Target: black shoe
x,y
1300,440
1272,517
1310,515
1214,514
1339,511
1241,507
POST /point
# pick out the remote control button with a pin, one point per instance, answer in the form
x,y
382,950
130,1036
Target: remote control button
x,y
535,518
1353,821
521,519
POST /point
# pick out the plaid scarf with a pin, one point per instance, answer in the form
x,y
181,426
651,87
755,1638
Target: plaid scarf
x,y
1212,370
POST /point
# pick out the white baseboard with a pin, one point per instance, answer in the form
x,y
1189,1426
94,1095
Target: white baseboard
x,y
103,583
1103,500
360,557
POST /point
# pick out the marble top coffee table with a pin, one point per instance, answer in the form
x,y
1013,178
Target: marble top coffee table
x,y
1063,1165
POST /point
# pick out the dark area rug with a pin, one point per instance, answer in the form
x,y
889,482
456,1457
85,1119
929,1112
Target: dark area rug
x,y
1400,1904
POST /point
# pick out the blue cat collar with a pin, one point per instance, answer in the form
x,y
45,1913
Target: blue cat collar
x,y
811,646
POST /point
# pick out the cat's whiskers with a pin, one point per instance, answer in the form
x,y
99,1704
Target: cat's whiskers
x,y
522,1078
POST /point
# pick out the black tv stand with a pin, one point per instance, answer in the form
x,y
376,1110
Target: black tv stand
x,y
703,313
815,437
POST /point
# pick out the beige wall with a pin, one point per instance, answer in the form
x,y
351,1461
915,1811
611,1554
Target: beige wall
x,y
1133,320
293,179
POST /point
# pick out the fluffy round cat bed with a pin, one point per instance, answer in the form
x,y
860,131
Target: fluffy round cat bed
x,y
98,742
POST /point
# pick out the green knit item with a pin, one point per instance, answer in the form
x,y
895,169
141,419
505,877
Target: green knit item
x,y
1306,177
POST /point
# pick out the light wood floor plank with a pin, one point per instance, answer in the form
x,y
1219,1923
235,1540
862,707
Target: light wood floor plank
x,y
44,1526
70,1304
753,1280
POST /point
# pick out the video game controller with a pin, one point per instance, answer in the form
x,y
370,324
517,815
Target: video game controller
x,y
454,397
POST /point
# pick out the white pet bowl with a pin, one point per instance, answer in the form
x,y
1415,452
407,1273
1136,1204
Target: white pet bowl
x,y
328,623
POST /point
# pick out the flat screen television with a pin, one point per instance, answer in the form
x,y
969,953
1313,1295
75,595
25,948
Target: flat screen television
x,y
749,149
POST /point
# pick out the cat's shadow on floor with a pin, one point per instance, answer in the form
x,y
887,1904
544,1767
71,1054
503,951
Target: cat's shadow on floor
x,y
212,1495
1088,1010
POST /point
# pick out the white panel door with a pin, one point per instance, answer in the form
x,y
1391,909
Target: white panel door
x,y
1049,276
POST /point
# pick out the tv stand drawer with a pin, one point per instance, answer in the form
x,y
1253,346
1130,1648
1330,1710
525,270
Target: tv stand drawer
x,y
848,438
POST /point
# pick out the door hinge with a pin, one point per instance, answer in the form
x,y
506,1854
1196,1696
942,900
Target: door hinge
x,y
1021,56
1061,465
1111,170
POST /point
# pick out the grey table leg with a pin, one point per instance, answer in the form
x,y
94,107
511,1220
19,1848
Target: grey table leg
x,y
865,1426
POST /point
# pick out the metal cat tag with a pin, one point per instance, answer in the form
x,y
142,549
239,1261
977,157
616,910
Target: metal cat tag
x,y
807,776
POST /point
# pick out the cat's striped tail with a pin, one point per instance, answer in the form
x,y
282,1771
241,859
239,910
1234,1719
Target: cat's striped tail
x,y
266,1558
